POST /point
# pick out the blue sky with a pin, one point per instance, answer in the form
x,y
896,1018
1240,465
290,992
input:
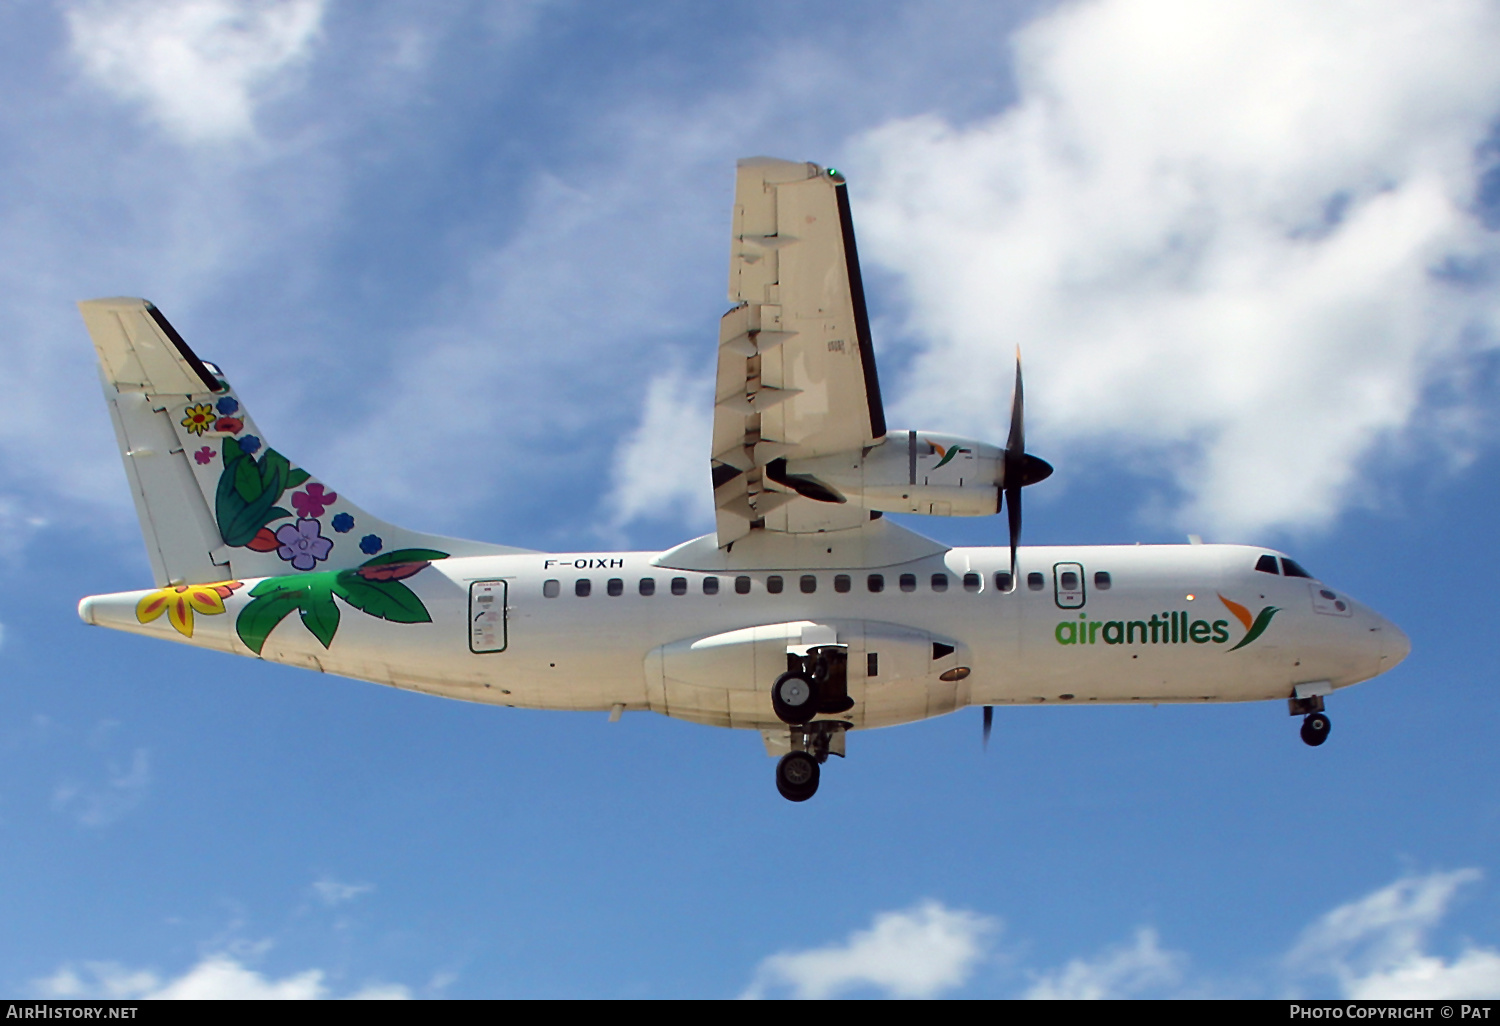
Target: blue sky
x,y
466,260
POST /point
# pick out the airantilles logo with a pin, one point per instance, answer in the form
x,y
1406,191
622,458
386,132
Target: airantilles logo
x,y
1168,628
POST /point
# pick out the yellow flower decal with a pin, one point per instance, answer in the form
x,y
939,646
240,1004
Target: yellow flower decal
x,y
180,601
199,419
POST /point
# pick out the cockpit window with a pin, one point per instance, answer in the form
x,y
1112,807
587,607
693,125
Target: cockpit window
x,y
1291,569
1267,565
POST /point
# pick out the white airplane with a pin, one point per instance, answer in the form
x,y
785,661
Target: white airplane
x,y
804,616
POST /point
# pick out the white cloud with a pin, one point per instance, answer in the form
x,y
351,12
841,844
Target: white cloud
x,y
1235,240
100,805
661,469
216,977
197,66
1120,972
917,953
334,892
1375,946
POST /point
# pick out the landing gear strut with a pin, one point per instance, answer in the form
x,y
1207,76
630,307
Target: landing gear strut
x,y
1315,725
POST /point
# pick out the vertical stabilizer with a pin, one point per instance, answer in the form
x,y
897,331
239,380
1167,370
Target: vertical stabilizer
x,y
215,501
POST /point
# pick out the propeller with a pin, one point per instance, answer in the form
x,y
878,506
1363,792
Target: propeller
x,y
989,723
1020,468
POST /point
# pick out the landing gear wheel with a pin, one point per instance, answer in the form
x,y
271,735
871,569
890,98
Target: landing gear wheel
x,y
795,698
1315,729
797,776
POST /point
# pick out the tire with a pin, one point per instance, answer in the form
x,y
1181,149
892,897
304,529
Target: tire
x,y
1315,729
797,776
794,698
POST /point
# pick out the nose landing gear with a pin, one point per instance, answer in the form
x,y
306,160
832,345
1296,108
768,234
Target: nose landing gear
x,y
1315,729
1315,725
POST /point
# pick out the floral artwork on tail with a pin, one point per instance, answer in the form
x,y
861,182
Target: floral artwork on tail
x,y
374,588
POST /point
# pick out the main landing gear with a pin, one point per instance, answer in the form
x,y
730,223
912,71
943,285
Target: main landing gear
x,y
1315,724
812,684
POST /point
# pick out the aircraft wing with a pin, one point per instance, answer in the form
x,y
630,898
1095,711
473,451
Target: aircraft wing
x,y
796,374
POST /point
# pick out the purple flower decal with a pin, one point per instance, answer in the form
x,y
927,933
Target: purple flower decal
x,y
343,523
204,455
303,544
228,406
312,502
371,544
249,445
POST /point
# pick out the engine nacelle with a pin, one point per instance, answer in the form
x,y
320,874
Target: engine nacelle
x,y
906,472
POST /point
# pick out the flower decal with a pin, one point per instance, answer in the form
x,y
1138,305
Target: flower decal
x,y
343,523
198,419
229,425
179,603
228,406
311,503
249,445
303,544
204,456
371,544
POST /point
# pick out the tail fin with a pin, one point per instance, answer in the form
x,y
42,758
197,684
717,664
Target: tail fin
x,y
212,497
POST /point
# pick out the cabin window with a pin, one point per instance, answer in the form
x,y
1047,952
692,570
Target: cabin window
x,y
972,582
1035,581
648,585
1002,581
1267,565
908,582
876,582
1101,580
1068,580
773,584
679,586
1291,569
939,582
808,584
550,589
841,583
742,585
710,585
582,587
615,587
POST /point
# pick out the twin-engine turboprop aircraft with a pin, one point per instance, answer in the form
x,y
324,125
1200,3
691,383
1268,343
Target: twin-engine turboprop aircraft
x,y
804,616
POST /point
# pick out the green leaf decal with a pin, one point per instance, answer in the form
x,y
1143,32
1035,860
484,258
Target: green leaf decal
x,y
319,613
388,600
248,490
312,594
1262,621
260,617
405,556
297,478
248,481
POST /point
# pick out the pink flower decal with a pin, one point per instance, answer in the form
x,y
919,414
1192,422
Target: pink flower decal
x,y
302,544
204,456
229,425
311,503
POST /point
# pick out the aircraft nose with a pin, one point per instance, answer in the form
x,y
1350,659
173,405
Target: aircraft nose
x,y
1394,645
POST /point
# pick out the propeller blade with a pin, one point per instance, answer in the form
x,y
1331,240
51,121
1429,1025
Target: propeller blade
x,y
1015,445
1015,464
989,722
